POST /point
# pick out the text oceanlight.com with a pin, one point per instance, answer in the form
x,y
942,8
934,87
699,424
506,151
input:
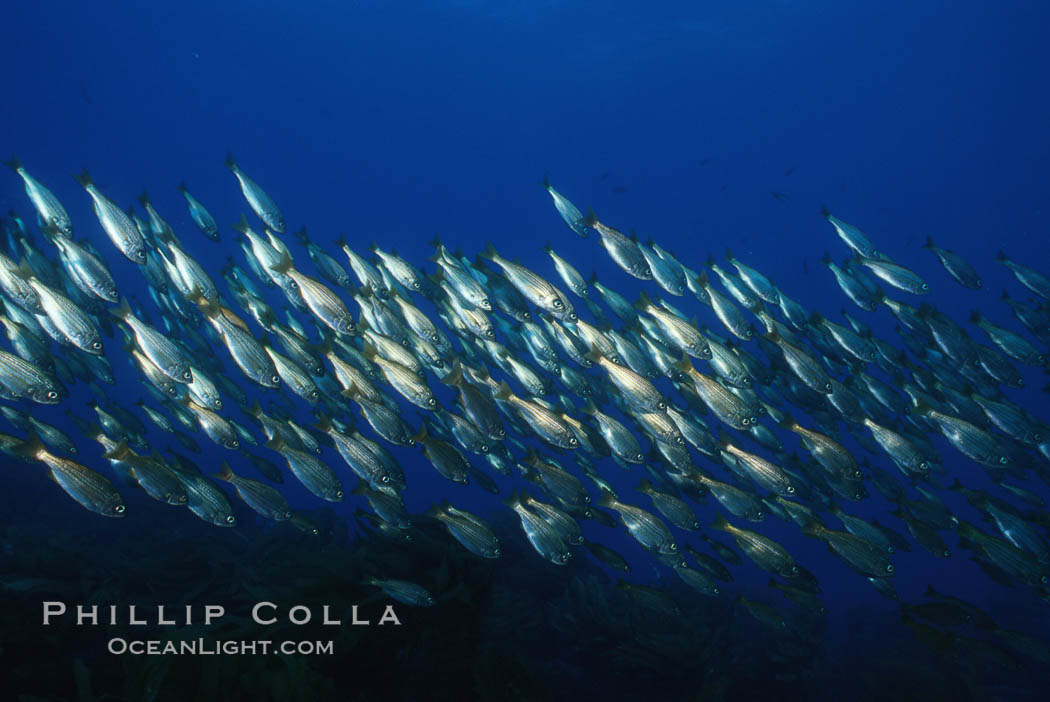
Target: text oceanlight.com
x,y
202,647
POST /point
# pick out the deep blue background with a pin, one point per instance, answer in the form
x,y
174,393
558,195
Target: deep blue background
x,y
906,119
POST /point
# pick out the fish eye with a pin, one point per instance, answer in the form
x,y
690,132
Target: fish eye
x,y
925,286
857,475
172,391
431,401
661,405
572,317
119,509
230,519
1042,579
889,567
748,333
760,514
338,494
484,448
1003,460
673,546
745,421
96,345
314,394
827,386
496,551
502,431
51,395
573,441
557,303
679,440
485,302
293,285
416,285
924,466
275,378
791,489
747,382
1037,437
490,334
187,376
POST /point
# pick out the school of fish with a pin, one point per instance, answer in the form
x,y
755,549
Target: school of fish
x,y
556,377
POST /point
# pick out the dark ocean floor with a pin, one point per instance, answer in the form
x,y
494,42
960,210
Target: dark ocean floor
x,y
512,629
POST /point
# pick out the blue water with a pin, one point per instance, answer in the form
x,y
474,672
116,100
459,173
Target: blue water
x,y
391,125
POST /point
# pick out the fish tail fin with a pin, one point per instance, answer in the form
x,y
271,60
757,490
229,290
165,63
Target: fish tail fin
x,y
720,523
229,161
920,407
181,187
143,199
929,242
489,254
31,447
455,376
684,365
323,423
975,317
241,226
503,394
13,163
225,473
1000,256
283,265
420,436
122,312
84,178
701,279
813,529
594,355
302,237
825,212
275,444
643,303
589,408
546,182
590,219
606,500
